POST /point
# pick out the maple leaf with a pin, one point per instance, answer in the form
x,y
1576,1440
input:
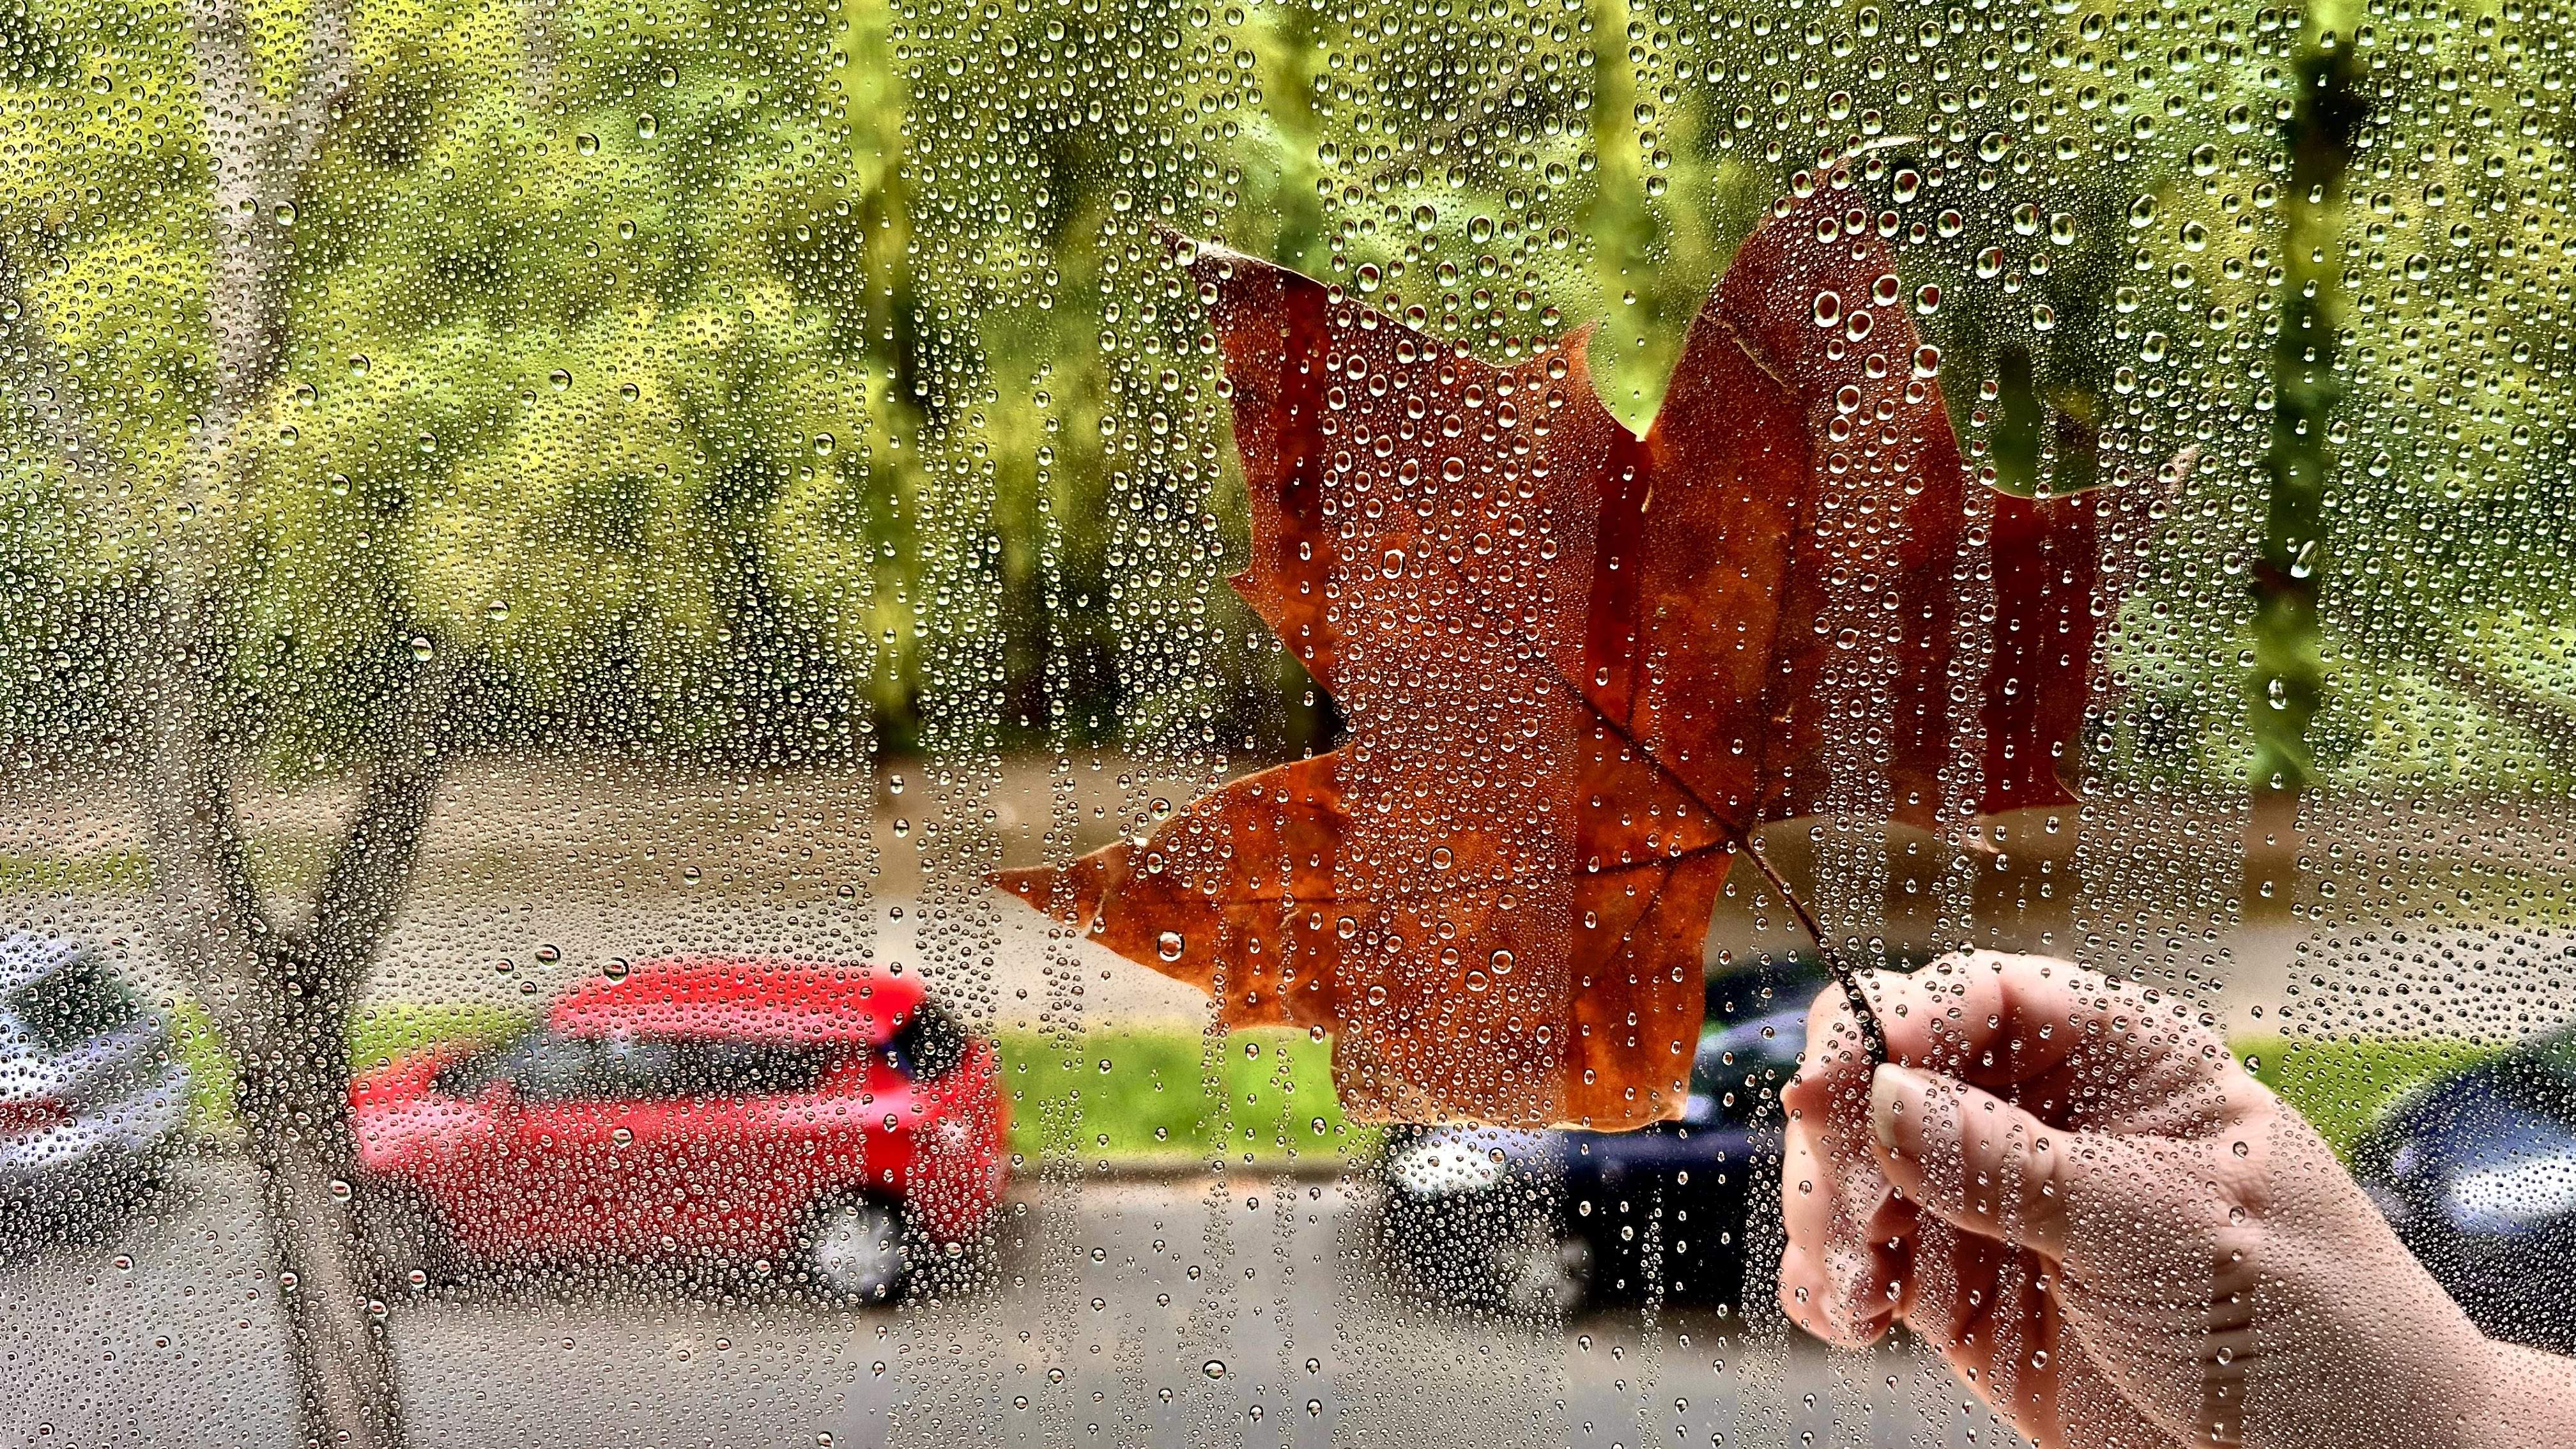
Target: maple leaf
x,y
1581,666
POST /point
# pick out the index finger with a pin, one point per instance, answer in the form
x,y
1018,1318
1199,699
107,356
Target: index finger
x,y
1993,1019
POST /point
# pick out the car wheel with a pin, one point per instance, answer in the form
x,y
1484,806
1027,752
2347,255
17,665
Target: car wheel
x,y
852,1250
406,1241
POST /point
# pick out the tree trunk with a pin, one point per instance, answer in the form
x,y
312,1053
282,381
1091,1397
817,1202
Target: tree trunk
x,y
282,1002
2289,679
295,1128
536,51
284,1022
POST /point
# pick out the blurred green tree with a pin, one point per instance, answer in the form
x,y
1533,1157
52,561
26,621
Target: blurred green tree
x,y
397,378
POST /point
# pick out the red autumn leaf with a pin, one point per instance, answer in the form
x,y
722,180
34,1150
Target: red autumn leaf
x,y
1580,667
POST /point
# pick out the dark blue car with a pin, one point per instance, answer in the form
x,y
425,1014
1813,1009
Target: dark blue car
x,y
1520,1220
2477,1172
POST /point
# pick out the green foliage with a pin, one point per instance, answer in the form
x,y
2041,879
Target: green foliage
x,y
579,373
682,361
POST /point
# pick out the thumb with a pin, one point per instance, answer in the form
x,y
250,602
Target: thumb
x,y
1971,1158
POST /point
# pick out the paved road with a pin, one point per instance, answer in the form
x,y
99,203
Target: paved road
x,y
1120,1314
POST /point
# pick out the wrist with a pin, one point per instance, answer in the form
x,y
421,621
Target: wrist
x,y
2522,1396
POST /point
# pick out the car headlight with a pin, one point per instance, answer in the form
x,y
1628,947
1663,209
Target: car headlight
x,y
2510,1196
1440,1166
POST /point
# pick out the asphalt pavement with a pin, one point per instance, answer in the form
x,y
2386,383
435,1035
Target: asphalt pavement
x,y
1112,1313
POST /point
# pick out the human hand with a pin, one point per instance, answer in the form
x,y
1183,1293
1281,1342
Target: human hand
x,y
2114,1234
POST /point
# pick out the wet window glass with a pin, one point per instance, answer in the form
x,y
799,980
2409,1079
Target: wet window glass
x,y
1287,722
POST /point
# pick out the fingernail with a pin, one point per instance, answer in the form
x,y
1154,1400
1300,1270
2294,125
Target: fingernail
x,y
1891,1088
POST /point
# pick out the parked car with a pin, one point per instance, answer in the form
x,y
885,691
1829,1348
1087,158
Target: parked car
x,y
831,1122
1515,1220
93,1093
2477,1172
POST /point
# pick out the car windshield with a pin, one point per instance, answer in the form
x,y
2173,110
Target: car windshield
x,y
548,1066
75,1002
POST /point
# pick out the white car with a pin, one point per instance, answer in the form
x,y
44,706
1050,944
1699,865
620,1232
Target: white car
x,y
93,1094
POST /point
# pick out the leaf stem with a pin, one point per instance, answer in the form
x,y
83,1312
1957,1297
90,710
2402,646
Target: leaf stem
x,y
1846,975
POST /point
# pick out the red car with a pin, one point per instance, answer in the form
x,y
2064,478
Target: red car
x,y
829,1120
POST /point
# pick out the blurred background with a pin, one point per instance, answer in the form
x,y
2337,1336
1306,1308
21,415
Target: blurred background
x,y
671,360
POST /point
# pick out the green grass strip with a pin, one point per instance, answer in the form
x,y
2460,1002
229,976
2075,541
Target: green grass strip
x,y
2341,1086
1145,1094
